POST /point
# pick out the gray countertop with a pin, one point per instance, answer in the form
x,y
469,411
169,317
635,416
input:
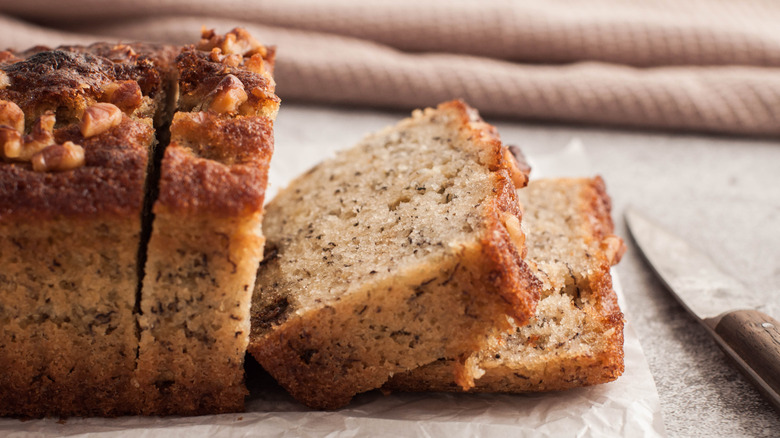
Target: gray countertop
x,y
722,193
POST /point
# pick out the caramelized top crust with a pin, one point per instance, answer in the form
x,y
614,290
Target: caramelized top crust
x,y
68,79
201,72
51,80
215,166
147,64
110,183
190,185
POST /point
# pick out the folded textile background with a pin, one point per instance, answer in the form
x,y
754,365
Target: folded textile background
x,y
700,65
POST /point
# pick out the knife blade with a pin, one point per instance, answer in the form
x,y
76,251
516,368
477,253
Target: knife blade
x,y
721,303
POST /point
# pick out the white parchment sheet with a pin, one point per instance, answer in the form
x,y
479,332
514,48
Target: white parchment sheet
x,y
628,407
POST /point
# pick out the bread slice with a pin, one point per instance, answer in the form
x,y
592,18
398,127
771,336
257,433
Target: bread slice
x,y
576,337
68,238
401,250
206,240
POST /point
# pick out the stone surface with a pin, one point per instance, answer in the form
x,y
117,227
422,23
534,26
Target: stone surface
x,y
721,193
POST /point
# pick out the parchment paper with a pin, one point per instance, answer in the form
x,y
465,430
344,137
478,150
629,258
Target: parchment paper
x,y
628,407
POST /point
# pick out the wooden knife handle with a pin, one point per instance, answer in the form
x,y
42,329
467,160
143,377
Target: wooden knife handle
x,y
752,338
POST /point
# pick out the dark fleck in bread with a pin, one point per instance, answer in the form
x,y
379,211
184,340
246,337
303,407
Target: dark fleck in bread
x,y
401,250
206,240
576,337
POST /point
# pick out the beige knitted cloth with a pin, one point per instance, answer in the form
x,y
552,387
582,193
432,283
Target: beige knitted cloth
x,y
697,65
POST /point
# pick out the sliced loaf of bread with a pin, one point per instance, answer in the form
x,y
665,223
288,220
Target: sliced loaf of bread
x,y
576,337
399,251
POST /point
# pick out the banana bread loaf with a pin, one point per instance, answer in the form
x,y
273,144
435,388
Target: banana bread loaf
x,y
401,250
576,337
79,175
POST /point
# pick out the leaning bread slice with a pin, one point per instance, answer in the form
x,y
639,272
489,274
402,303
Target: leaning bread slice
x,y
401,250
576,337
206,240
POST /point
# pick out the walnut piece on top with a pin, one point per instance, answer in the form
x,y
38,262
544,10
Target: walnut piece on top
x,y
99,118
41,135
228,95
10,142
126,95
59,157
11,115
237,41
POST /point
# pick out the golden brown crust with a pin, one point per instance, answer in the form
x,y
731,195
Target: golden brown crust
x,y
242,140
504,258
110,183
289,355
216,166
493,152
597,208
508,271
565,374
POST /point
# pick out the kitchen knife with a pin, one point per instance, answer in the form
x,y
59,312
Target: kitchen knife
x,y
721,303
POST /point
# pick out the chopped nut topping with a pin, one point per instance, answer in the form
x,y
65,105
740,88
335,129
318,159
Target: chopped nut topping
x,y
99,118
265,102
4,81
125,95
10,142
58,157
121,52
228,95
512,225
8,56
11,115
233,60
255,64
216,54
614,248
41,136
237,41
